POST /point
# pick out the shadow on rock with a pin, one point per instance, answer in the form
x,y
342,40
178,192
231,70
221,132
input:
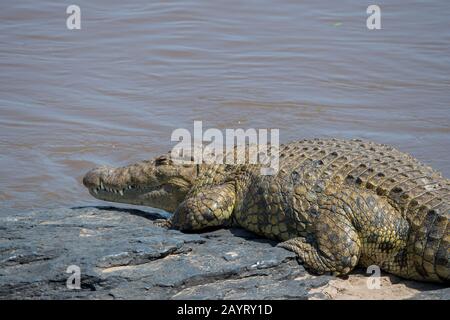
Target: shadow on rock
x,y
136,212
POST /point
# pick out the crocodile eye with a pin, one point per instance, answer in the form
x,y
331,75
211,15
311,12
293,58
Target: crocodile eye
x,y
162,160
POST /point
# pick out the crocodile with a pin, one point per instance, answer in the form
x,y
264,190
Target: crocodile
x,y
336,203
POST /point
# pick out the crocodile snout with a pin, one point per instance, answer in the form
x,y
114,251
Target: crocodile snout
x,y
93,178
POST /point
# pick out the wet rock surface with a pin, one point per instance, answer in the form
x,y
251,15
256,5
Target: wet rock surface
x,y
122,254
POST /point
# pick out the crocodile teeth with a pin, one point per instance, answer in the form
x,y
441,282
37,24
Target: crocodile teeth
x,y
102,186
95,190
121,192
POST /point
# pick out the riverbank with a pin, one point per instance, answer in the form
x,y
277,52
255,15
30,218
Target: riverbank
x,y
121,254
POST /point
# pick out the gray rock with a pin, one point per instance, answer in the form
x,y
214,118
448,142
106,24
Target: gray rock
x,y
123,255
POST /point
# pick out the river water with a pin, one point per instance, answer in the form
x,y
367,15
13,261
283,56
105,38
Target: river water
x,y
113,92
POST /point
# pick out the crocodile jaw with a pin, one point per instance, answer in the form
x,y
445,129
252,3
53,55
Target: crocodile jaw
x,y
131,194
145,183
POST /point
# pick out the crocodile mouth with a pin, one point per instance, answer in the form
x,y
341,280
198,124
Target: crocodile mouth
x,y
138,185
128,193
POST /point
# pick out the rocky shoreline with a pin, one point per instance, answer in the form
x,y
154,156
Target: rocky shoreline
x,y
122,254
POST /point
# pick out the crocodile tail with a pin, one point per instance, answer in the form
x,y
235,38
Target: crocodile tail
x,y
431,247
443,256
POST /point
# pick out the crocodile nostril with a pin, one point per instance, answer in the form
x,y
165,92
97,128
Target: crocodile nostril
x,y
93,178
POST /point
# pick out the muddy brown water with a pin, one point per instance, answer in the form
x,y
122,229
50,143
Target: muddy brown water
x,y
113,92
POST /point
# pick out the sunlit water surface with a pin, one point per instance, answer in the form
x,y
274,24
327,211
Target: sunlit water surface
x,y
113,92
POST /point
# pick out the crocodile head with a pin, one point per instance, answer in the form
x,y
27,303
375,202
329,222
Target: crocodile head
x,y
158,183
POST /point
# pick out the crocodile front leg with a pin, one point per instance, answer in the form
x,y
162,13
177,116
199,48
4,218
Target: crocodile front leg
x,y
211,206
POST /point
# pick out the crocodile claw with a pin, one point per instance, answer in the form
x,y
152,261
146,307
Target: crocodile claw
x,y
163,223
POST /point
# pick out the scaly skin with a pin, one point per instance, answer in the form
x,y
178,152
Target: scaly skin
x,y
336,203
